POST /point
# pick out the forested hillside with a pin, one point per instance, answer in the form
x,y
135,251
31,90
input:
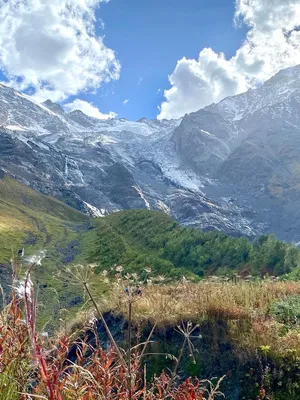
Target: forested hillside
x,y
137,238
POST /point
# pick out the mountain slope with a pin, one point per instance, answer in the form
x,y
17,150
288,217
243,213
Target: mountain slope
x,y
43,226
278,89
116,164
139,238
30,219
254,161
233,166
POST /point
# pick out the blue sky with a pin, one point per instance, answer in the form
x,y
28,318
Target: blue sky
x,y
135,58
149,38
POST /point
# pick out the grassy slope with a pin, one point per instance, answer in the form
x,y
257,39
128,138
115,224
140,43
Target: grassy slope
x,y
35,221
32,219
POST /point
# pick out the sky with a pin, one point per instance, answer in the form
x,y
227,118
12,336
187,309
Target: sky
x,y
138,58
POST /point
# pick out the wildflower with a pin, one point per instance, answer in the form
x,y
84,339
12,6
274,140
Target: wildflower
x,y
119,268
265,349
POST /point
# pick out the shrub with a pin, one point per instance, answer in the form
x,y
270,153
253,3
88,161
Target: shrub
x,y
287,311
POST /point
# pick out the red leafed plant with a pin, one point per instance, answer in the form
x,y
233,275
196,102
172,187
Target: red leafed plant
x,y
33,366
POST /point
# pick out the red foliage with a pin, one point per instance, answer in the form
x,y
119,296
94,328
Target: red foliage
x,y
40,367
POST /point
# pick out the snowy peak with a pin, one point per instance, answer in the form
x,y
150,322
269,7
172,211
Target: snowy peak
x,y
278,89
18,109
20,112
56,108
82,119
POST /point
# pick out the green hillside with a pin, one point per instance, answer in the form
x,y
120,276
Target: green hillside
x,y
32,220
134,238
137,238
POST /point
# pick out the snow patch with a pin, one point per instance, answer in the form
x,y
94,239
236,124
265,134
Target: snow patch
x,y
96,213
163,207
139,190
15,128
207,133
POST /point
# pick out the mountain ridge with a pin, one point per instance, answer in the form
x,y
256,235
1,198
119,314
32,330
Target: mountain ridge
x,y
213,169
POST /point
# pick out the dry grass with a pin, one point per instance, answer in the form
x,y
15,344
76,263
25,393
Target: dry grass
x,y
39,367
171,303
244,307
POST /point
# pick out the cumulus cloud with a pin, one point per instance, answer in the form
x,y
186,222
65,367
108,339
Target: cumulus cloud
x,y
52,48
272,43
88,109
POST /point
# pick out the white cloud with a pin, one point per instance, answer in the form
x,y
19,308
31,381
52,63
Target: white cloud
x,y
126,101
88,109
140,80
52,46
272,43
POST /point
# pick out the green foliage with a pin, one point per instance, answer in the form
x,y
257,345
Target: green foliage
x,y
269,255
109,245
287,311
137,238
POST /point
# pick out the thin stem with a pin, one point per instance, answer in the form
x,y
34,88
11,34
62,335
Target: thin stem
x,y
156,322
179,358
111,338
177,364
30,306
145,381
148,340
129,349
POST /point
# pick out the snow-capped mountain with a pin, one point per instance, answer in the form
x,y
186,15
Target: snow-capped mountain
x,y
233,166
278,89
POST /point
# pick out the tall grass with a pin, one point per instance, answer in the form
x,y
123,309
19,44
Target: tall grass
x,y
34,366
245,306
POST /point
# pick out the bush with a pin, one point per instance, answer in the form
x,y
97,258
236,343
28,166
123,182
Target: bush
x,y
287,311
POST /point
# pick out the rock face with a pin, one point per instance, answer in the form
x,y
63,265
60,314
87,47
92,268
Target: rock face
x,y
203,140
233,166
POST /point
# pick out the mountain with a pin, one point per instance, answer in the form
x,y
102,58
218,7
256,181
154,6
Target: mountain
x,y
233,166
249,145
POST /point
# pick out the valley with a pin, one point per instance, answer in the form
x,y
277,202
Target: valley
x,y
148,230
